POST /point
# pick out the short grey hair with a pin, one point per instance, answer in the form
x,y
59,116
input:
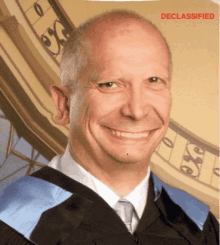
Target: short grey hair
x,y
76,56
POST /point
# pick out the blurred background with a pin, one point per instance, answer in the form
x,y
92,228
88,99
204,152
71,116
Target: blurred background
x,y
32,36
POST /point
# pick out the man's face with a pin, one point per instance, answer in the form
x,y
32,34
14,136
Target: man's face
x,y
124,115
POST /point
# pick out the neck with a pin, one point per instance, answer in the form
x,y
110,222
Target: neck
x,y
121,177
122,183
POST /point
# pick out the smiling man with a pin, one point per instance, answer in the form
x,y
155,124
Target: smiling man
x,y
118,114
115,93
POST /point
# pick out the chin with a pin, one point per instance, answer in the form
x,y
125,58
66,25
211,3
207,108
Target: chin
x,y
131,159
129,155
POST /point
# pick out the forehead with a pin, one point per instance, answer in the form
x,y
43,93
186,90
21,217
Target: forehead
x,y
135,42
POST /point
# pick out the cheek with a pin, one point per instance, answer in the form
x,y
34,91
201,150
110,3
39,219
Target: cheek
x,y
165,108
162,104
165,105
102,104
79,108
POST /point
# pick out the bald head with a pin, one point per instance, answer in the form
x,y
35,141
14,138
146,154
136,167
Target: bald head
x,y
96,34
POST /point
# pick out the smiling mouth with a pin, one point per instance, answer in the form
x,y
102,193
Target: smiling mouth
x,y
129,135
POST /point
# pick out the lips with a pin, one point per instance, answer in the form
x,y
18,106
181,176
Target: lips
x,y
130,135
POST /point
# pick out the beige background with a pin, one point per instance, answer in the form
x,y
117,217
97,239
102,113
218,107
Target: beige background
x,y
195,50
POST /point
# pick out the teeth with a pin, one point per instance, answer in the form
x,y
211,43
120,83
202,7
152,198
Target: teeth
x,y
130,135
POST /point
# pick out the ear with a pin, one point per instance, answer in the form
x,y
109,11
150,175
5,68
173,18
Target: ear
x,y
60,96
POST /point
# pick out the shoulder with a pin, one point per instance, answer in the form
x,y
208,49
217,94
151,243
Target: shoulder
x,y
174,199
23,201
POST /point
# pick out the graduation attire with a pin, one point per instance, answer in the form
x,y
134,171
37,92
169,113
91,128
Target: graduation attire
x,y
50,208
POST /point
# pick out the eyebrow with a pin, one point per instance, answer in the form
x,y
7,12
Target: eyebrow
x,y
96,79
93,77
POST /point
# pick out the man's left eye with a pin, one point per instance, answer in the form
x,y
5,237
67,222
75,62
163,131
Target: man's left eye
x,y
156,83
154,79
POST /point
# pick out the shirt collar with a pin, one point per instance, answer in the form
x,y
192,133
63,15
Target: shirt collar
x,y
69,167
137,197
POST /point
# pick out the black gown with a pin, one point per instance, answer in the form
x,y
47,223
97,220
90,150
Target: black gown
x,y
86,219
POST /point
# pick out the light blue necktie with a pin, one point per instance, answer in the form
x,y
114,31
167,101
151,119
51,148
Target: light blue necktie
x,y
125,210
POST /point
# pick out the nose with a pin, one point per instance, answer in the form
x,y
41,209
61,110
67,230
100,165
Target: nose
x,y
137,105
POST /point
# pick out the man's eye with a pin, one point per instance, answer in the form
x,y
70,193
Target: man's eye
x,y
156,83
107,85
154,79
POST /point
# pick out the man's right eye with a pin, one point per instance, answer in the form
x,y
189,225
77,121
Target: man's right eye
x,y
107,85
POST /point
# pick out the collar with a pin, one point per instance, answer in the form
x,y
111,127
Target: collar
x,y
137,197
68,166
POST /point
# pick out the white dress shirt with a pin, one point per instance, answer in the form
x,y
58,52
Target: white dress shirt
x,y
138,196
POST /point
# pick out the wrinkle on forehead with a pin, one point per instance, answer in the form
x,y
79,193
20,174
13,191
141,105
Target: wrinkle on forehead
x,y
105,31
114,27
104,35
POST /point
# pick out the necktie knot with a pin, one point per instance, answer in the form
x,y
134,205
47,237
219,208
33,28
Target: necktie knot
x,y
125,210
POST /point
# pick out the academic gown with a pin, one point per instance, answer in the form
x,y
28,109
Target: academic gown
x,y
49,208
